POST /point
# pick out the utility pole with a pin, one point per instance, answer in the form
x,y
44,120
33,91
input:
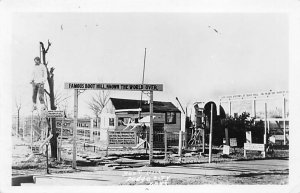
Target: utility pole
x,y
142,83
151,129
182,129
210,134
75,127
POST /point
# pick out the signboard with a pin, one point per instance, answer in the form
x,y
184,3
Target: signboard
x,y
122,138
233,142
35,149
254,146
226,149
248,137
277,139
255,95
114,86
55,114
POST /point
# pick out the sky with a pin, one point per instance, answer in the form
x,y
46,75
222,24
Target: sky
x,y
196,56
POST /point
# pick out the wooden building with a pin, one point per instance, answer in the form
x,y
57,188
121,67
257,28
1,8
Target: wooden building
x,y
131,115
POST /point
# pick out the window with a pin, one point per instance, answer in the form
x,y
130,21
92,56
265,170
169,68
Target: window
x,y
120,121
111,122
170,118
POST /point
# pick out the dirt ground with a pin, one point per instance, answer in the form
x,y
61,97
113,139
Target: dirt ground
x,y
36,165
272,178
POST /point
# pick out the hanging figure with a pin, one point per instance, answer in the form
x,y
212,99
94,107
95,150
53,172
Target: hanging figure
x,y
39,77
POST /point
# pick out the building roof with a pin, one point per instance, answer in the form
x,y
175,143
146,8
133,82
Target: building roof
x,y
158,106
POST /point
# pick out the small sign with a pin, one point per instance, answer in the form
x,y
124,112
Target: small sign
x,y
226,149
248,137
121,138
114,86
254,146
35,149
233,142
55,114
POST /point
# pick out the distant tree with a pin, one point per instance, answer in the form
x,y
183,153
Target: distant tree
x,y
98,102
18,106
237,127
62,100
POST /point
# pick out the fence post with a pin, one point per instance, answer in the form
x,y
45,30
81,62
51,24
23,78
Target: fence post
x,y
107,144
166,143
210,134
180,144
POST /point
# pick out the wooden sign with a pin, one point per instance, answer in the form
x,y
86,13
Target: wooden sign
x,y
114,86
121,138
254,146
233,142
226,149
35,149
55,114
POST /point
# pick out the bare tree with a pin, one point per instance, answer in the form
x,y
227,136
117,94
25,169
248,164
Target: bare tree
x,y
50,93
98,102
61,99
18,106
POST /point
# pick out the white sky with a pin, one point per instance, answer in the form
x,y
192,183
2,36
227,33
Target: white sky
x,y
248,54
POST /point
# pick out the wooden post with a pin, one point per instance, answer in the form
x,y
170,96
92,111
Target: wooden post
x,y
47,165
180,144
203,140
229,108
146,141
92,130
226,136
107,133
151,129
265,135
60,140
284,126
166,143
210,134
75,127
254,108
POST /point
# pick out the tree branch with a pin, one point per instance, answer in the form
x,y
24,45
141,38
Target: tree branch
x,y
49,44
47,92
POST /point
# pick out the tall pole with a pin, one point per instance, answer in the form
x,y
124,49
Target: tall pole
x,y
229,108
18,123
166,143
47,147
210,134
254,109
151,129
284,124
75,127
182,125
142,83
60,140
265,136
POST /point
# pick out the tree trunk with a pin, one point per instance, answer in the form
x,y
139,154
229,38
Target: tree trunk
x,y
50,78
